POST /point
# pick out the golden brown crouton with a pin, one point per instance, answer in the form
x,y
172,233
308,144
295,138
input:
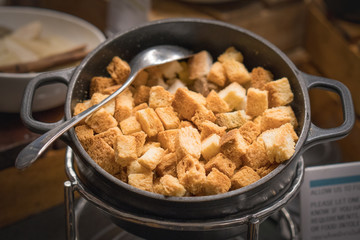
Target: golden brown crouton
x,y
236,71
159,97
97,97
141,95
216,183
244,177
215,103
141,79
232,120
136,167
81,106
119,70
151,157
259,77
169,186
277,116
233,146
231,53
110,136
140,139
103,155
208,128
191,174
124,103
186,102
167,164
85,135
250,131
188,143
217,74
150,122
256,155
265,170
167,139
199,65
99,84
111,89
143,181
130,125
139,107
186,124
125,150
257,102
148,145
101,121
210,146
234,95
202,114
280,93
168,117
222,163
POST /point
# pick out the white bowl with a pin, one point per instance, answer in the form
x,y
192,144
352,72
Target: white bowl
x,y
12,85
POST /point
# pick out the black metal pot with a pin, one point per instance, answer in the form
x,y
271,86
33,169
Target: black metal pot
x,y
197,35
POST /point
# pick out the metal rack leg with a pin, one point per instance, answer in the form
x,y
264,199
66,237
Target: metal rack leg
x,y
253,229
69,211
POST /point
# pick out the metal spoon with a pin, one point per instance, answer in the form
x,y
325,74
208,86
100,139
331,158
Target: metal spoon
x,y
149,57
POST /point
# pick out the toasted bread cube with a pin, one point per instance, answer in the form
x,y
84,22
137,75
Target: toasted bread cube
x,y
289,128
233,146
119,70
222,163
202,114
97,97
234,95
199,65
168,117
257,102
175,85
81,106
186,102
101,121
124,103
130,125
151,157
208,128
154,72
139,107
159,97
150,122
250,131
149,145
277,116
191,174
244,177
171,69
186,124
157,82
256,155
99,84
167,139
85,135
217,74
236,71
215,103
232,120
231,53
140,139
265,170
188,143
167,165
169,186
104,156
136,167
280,93
142,94
110,136
260,77
210,146
125,150
143,181
279,144
111,89
141,79
217,182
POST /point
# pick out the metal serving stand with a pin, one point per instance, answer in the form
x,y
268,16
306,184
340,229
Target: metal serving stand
x,y
252,220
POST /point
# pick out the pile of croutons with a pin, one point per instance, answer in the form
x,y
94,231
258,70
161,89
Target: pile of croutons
x,y
190,128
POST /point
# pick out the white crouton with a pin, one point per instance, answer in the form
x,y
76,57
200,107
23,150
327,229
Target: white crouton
x,y
234,95
175,85
171,70
210,146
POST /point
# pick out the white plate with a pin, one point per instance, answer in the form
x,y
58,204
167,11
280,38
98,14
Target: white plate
x,y
12,85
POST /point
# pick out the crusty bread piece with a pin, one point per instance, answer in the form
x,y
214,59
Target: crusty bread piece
x,y
265,170
169,185
167,139
231,53
185,123
236,71
216,182
171,69
85,135
140,139
217,74
124,103
139,107
188,143
141,79
141,95
208,128
125,150
101,121
186,102
215,103
234,95
256,155
136,167
277,116
143,181
99,84
244,177
111,89
257,102
210,146
119,70
199,65
232,120
81,106
250,131
280,93
159,97
151,157
233,146
222,163
168,117
130,125
202,114
110,136
150,122
191,174
259,77
167,164
98,97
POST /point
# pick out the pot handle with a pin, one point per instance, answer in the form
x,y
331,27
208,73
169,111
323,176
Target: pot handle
x,y
317,135
62,76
